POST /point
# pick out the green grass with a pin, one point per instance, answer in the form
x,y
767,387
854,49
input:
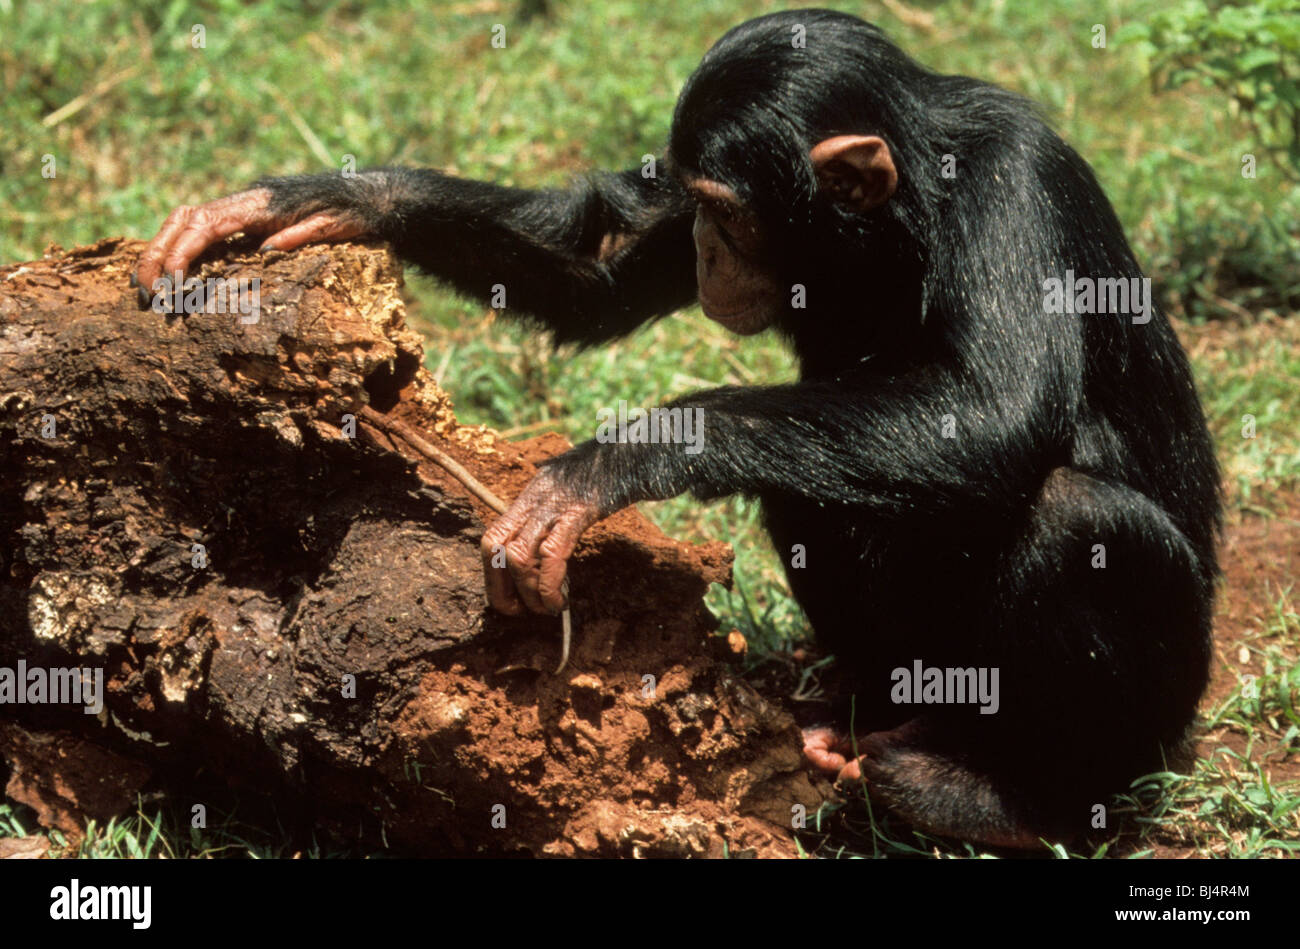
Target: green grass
x,y
1252,371
1227,806
162,830
145,122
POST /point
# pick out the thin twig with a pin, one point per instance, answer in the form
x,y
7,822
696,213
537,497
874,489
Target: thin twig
x,y
518,430
73,106
439,457
299,123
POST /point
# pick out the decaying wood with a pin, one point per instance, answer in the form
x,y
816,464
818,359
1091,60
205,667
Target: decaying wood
x,y
299,611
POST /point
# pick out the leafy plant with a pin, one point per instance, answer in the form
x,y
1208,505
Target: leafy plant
x,y
1248,51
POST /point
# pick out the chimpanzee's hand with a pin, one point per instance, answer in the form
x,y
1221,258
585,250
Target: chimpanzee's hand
x,y
537,535
189,231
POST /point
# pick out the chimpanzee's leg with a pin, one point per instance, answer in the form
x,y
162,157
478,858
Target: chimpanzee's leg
x,y
1102,665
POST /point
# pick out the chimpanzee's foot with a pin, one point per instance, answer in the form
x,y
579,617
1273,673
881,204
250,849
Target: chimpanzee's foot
x,y
930,789
831,752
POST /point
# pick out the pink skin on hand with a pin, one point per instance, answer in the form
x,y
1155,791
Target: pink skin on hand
x,y
537,536
828,751
190,230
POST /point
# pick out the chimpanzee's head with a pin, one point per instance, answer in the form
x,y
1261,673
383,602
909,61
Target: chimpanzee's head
x,y
788,137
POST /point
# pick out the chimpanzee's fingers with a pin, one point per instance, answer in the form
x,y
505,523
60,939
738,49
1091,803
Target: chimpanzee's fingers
x,y
189,230
850,772
205,229
320,227
522,553
497,578
555,550
821,748
501,593
149,267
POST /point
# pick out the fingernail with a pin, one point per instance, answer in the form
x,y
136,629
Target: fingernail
x,y
134,282
267,246
143,296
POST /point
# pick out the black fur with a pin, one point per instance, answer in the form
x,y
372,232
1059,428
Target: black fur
x,y
976,550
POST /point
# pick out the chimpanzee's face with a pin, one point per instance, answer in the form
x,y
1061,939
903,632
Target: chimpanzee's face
x,y
735,290
737,285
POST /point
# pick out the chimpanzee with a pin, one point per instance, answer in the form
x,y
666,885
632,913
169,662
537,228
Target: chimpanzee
x,y
996,496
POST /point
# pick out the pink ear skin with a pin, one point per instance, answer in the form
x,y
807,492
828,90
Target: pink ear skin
x,y
855,170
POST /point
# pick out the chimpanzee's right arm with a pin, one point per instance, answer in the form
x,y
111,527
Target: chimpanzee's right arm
x,y
591,263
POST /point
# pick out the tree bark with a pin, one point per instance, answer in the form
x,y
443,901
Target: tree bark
x,y
301,612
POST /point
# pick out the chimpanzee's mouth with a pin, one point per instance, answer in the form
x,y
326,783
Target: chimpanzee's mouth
x,y
742,320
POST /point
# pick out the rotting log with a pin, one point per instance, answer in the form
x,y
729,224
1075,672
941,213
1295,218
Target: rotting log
x,y
301,612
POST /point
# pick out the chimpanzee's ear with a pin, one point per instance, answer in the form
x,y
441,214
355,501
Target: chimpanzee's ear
x,y
855,170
